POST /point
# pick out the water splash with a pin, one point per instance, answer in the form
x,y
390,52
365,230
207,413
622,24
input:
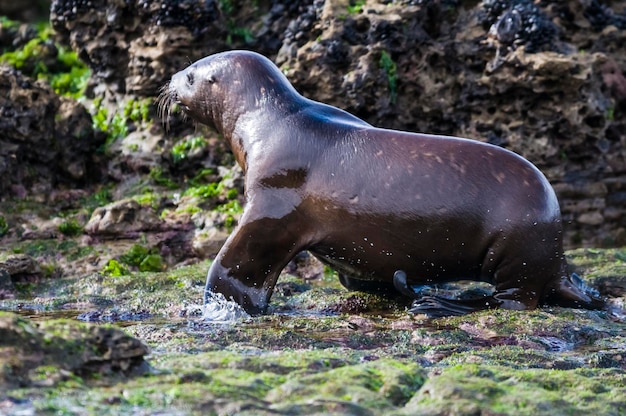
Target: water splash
x,y
218,309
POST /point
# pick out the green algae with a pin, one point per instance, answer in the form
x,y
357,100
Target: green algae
x,y
68,75
146,260
159,177
116,121
181,150
598,263
379,384
471,388
4,226
356,7
70,227
155,292
388,66
313,356
114,268
302,375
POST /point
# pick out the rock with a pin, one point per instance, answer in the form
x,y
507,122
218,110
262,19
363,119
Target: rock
x,y
614,286
20,265
544,100
305,266
123,218
134,46
520,23
38,229
590,218
24,10
6,284
207,243
45,140
60,348
614,80
138,151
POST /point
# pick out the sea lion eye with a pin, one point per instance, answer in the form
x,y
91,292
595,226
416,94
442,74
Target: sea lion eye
x,y
190,78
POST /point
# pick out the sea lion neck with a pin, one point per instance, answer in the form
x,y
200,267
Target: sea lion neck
x,y
248,129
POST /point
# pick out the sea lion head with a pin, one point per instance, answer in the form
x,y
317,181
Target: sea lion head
x,y
217,89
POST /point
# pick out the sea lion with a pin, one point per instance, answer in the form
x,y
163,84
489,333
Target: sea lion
x,y
387,209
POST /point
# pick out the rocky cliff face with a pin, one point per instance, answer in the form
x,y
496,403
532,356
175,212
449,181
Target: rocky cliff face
x,y
46,141
544,79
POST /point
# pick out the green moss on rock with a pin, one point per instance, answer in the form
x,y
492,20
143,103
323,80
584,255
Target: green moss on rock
x,y
58,350
483,389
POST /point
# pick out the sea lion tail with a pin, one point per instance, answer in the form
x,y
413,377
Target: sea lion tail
x,y
570,291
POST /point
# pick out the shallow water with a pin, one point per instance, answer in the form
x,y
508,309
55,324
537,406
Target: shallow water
x,y
42,315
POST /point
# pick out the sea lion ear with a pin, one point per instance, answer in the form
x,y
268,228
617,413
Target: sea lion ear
x,y
211,79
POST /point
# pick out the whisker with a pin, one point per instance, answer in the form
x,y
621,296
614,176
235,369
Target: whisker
x,y
165,101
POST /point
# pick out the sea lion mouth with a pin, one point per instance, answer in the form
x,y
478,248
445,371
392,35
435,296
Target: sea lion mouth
x,y
167,101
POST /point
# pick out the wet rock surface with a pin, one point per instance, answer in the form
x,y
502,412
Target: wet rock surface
x,y
321,350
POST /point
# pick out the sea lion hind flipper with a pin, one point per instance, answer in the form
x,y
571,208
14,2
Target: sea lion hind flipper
x,y
570,291
437,306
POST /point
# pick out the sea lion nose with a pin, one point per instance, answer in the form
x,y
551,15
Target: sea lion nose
x,y
176,79
179,85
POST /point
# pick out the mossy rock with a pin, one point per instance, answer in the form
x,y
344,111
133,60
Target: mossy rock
x,y
46,353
